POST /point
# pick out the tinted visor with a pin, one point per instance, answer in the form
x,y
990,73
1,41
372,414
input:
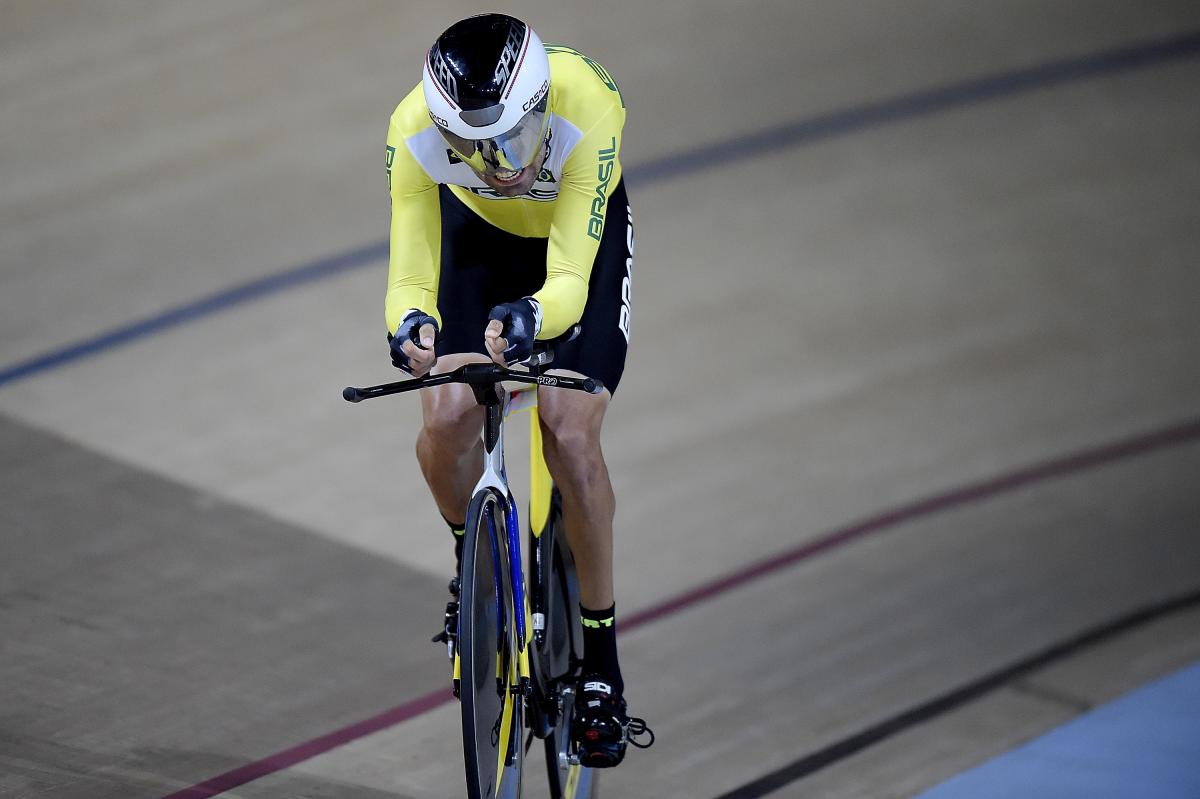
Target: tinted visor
x,y
504,155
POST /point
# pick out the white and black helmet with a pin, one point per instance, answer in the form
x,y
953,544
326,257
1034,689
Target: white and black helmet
x,y
487,83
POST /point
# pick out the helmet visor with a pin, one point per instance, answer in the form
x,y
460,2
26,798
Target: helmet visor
x,y
504,155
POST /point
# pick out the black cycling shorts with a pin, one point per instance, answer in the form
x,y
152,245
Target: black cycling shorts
x,y
483,266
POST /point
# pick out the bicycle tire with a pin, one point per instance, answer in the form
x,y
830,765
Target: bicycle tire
x,y
492,715
563,649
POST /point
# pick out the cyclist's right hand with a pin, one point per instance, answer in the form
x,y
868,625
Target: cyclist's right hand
x,y
413,343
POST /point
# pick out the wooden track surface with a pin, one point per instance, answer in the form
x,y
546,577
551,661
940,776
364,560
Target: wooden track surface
x,y
828,326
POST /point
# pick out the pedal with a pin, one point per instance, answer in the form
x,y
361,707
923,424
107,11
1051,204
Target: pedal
x,y
449,633
634,733
567,756
604,729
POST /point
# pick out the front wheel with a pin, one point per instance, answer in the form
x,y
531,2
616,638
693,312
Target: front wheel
x,y
492,714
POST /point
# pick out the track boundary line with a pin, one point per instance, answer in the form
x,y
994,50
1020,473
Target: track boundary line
x,y
1180,433
1183,432
741,147
926,711
921,103
317,746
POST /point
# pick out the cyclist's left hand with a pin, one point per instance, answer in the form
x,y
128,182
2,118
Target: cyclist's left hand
x,y
510,333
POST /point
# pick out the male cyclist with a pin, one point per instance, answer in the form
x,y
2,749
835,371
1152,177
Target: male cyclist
x,y
509,224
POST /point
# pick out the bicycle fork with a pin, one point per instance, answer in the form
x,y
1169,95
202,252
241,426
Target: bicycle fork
x,y
495,478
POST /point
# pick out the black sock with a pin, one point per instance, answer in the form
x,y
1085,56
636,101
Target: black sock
x,y
600,645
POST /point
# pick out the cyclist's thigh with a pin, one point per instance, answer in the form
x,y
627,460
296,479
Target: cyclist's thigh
x,y
600,350
572,416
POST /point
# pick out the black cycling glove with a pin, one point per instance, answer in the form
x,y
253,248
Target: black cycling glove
x,y
522,320
410,330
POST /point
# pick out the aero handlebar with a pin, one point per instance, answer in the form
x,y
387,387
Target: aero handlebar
x,y
478,375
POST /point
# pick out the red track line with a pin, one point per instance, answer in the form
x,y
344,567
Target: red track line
x,y
963,495
1172,435
317,746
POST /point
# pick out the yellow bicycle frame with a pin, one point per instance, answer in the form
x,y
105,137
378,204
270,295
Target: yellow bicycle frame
x,y
540,488
539,516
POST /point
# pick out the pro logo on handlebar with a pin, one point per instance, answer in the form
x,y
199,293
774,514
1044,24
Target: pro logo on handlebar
x,y
546,380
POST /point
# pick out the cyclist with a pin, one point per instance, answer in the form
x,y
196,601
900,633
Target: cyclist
x,y
510,223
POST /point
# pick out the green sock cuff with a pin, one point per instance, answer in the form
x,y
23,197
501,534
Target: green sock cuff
x,y
597,619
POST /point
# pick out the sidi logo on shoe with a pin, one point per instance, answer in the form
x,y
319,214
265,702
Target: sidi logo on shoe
x,y
596,685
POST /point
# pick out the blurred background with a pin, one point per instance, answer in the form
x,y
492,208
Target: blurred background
x,y
915,342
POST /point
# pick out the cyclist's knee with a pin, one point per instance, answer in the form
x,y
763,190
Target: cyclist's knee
x,y
571,420
451,417
571,437
574,456
573,444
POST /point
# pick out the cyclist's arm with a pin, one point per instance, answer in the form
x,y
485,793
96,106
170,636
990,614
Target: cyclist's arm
x,y
591,173
416,235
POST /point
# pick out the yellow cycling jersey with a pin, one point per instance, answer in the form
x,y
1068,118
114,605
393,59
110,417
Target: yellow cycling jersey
x,y
566,204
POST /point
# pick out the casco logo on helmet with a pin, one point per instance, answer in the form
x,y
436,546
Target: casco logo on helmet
x,y
487,84
537,98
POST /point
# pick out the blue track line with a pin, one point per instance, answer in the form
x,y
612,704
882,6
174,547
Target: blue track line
x,y
698,159
916,104
197,309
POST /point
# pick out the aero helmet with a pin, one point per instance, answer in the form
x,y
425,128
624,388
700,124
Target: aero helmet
x,y
487,84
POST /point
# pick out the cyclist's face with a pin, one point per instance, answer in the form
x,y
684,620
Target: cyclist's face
x,y
519,185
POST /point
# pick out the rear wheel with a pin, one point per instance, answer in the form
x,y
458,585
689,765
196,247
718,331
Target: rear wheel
x,y
560,643
492,714
563,647
577,782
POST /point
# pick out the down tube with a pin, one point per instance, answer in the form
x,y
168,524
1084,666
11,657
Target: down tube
x,y
514,566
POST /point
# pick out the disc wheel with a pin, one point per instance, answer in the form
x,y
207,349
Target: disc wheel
x,y
562,638
563,645
492,714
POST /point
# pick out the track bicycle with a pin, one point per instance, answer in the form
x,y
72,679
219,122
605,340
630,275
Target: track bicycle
x,y
518,646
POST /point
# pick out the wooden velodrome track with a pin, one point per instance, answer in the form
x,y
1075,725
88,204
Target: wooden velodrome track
x,y
906,454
